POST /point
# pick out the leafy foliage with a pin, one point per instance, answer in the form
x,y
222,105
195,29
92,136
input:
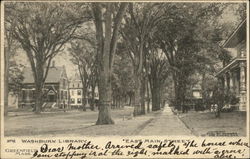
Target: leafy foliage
x,y
42,30
83,54
15,77
122,78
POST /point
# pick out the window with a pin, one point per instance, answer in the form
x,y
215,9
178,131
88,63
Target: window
x,y
64,83
61,94
72,92
66,95
33,94
242,52
196,94
23,94
72,101
78,100
78,85
79,92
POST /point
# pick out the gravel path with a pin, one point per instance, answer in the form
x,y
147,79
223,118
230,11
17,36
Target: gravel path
x,y
166,124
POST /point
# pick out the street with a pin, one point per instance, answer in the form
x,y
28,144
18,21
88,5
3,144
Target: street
x,y
163,122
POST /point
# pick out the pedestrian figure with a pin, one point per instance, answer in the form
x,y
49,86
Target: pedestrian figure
x,y
216,108
64,106
218,98
212,108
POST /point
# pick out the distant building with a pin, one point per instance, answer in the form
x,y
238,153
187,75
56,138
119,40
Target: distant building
x,y
96,97
197,92
55,91
193,96
233,75
76,92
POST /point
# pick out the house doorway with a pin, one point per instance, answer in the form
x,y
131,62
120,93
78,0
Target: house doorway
x,y
51,96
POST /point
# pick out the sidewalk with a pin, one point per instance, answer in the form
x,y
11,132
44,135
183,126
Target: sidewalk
x,y
166,124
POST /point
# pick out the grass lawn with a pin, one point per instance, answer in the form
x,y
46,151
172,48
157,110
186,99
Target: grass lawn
x,y
201,123
72,123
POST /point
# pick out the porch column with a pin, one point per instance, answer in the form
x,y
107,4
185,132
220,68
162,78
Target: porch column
x,y
222,81
231,84
242,53
242,87
28,96
225,82
235,82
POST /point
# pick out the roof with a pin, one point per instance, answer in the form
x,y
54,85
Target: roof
x,y
53,76
237,36
76,77
231,65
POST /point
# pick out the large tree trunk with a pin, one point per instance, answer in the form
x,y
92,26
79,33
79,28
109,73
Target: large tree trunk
x,y
84,87
104,116
38,98
137,97
155,94
142,93
84,97
139,102
183,94
156,99
106,48
138,72
148,98
177,101
92,103
39,87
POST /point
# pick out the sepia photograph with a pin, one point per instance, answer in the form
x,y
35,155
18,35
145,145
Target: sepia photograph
x,y
96,69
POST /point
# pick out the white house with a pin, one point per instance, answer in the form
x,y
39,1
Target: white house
x,y
75,92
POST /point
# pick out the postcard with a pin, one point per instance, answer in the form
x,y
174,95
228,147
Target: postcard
x,y
125,79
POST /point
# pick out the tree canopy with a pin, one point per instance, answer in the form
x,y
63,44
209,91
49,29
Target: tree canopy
x,y
122,48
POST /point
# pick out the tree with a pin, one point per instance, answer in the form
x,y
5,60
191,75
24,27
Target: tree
x,y
157,74
139,23
175,45
83,55
93,83
83,52
10,46
241,11
122,77
157,68
43,29
106,37
15,77
218,98
181,37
